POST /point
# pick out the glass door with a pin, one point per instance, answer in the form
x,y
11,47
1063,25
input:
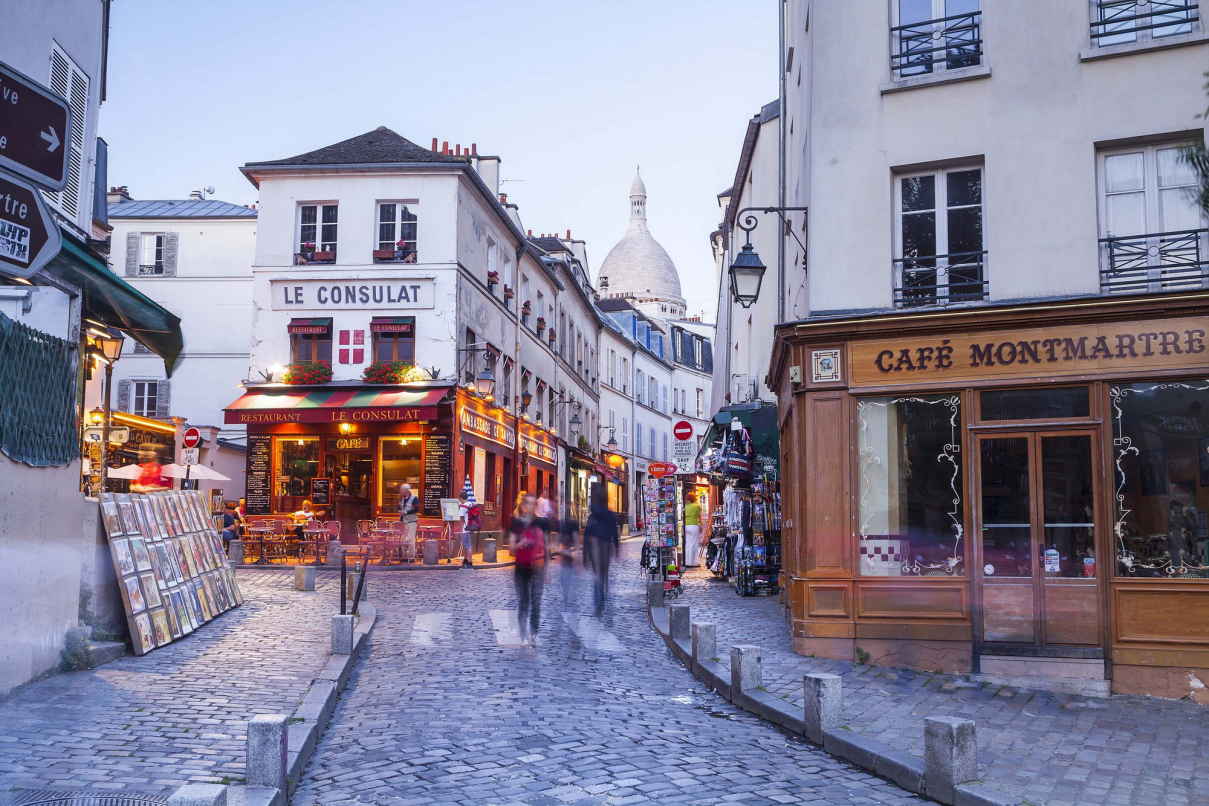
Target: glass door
x,y
1037,564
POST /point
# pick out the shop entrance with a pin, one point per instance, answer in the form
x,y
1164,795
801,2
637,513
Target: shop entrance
x,y
351,471
1036,556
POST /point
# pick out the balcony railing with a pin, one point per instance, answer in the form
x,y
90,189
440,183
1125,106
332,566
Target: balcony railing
x,y
947,43
940,279
1163,261
1118,21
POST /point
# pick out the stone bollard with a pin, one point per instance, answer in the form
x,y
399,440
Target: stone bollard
x,y
342,634
705,642
268,743
335,553
746,673
235,552
678,622
199,795
430,552
489,550
654,593
304,578
824,701
950,755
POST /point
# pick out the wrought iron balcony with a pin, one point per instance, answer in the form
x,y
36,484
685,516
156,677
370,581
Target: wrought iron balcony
x,y
940,279
1163,261
947,43
1117,21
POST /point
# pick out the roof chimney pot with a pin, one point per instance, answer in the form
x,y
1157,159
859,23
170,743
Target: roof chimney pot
x,y
474,149
434,144
444,146
457,149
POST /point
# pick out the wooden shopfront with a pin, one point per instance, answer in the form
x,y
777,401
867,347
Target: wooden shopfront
x,y
1014,489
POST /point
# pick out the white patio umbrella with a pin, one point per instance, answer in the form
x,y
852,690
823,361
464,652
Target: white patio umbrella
x,y
193,472
125,472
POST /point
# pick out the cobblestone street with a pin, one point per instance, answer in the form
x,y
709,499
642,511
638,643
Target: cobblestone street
x,y
1042,748
178,714
446,708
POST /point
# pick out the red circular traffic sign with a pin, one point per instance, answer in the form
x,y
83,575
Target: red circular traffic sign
x,y
683,430
191,438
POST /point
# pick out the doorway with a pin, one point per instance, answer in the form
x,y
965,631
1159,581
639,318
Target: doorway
x,y
1037,561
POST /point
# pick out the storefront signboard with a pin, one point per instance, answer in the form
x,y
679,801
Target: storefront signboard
x,y
438,472
321,492
348,444
541,450
368,414
353,294
1067,350
483,426
260,450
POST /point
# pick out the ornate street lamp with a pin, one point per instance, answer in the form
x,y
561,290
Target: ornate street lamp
x,y
484,382
747,270
106,346
574,423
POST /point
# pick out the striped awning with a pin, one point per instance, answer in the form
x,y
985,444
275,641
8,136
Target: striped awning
x,y
392,324
312,326
285,405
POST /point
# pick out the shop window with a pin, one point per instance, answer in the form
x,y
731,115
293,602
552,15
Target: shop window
x,y
1161,448
398,463
1035,404
296,462
490,487
910,486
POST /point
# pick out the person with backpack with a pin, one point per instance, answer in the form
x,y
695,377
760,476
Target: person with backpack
x,y
529,573
602,542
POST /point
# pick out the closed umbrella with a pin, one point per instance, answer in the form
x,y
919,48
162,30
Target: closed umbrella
x,y
125,472
193,472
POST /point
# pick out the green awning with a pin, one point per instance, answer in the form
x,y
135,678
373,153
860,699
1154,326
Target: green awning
x,y
760,420
112,301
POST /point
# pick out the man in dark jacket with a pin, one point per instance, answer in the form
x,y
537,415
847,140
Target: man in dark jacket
x,y
602,541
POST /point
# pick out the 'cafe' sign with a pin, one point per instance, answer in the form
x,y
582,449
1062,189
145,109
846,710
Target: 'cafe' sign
x,y
353,294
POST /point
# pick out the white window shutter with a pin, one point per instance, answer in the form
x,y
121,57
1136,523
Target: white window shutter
x,y
171,248
133,242
162,399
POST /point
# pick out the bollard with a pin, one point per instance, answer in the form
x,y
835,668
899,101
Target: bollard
x,y
746,673
304,578
824,701
678,622
342,634
268,743
235,552
199,795
430,552
950,756
705,642
335,552
654,593
350,585
489,550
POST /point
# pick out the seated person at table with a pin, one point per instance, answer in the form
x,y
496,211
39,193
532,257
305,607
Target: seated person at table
x,y
230,522
303,516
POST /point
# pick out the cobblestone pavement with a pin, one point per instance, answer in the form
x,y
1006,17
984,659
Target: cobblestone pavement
x,y
446,708
179,713
1053,749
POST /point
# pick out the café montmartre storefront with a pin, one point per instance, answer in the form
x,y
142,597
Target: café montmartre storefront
x,y
1017,490
348,448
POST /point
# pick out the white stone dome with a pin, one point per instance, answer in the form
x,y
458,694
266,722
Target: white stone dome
x,y
638,268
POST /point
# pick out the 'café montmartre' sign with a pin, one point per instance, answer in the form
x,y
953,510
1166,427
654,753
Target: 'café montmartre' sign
x,y
1044,352
353,294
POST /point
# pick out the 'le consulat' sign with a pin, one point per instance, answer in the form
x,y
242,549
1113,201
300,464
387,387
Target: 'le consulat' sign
x,y
353,294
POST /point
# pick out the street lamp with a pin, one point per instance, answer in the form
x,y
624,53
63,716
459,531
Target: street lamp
x,y
747,270
611,445
107,346
484,382
574,423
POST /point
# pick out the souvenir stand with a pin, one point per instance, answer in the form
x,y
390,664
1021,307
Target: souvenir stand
x,y
662,513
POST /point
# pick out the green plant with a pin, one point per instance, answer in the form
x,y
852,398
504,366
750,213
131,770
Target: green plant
x,y
862,657
307,372
583,443
386,372
74,656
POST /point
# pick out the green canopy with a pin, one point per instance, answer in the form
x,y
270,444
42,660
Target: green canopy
x,y
112,301
760,420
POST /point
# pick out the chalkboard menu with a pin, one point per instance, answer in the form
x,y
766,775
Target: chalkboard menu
x,y
437,473
260,466
321,491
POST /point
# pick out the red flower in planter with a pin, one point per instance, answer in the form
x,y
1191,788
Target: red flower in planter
x,y
493,277
385,372
307,372
508,292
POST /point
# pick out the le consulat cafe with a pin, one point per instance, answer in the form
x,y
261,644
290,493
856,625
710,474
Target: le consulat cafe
x,y
1014,490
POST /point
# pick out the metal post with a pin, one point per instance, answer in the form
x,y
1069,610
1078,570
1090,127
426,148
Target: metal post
x,y
360,585
343,583
105,426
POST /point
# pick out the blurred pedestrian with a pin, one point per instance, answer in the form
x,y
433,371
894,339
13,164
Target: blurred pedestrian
x,y
564,532
601,543
472,519
230,523
693,540
529,553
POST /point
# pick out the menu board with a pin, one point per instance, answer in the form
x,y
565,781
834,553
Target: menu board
x,y
260,466
173,575
321,492
438,473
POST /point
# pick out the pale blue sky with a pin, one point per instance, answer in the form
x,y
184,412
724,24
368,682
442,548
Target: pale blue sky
x,y
570,95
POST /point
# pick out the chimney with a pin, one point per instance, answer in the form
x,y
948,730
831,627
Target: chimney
x,y
568,233
530,233
444,146
434,144
503,198
457,149
474,149
118,194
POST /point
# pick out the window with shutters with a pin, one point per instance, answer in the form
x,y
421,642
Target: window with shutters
x,y
145,398
700,402
151,253
69,81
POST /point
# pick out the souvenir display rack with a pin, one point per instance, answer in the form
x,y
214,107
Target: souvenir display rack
x,y
758,544
659,549
171,569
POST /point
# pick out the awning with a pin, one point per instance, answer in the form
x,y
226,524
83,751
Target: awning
x,y
286,405
112,301
760,420
392,324
315,326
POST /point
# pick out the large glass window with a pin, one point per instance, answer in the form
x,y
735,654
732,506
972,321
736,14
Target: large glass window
x,y
1161,447
398,462
1035,404
910,486
296,462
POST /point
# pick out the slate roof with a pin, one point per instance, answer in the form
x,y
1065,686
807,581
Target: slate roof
x,y
612,304
179,208
549,244
379,146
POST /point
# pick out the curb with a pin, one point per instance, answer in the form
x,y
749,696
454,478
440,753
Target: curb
x,y
895,766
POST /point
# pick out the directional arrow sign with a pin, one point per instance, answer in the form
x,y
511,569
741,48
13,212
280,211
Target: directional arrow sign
x,y
33,126
28,235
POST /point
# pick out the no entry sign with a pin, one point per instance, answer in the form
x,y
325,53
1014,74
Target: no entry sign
x,y
191,438
33,128
683,430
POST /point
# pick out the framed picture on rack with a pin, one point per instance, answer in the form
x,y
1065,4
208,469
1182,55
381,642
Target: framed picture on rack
x,y
151,590
109,516
138,548
130,524
143,635
134,594
123,559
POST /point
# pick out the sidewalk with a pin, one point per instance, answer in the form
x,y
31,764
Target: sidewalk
x,y
1040,748
179,713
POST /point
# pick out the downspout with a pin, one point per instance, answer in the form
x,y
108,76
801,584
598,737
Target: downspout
x,y
516,368
781,115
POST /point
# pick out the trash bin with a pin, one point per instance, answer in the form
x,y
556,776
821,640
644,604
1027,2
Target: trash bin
x,y
430,552
489,550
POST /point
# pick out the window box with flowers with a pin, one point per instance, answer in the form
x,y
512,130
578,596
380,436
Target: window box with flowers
x,y
526,310
493,279
404,252
307,372
541,325
551,337
387,372
508,292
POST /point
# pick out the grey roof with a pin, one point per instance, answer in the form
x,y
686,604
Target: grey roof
x,y
377,147
611,304
179,208
549,244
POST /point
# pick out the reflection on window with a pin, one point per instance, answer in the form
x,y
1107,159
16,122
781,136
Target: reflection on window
x,y
1036,404
296,462
399,462
910,486
1161,448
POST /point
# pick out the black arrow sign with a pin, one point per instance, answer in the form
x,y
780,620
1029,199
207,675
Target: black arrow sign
x,y
28,235
33,128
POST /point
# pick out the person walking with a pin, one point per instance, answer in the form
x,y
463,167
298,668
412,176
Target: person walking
x,y
563,534
601,543
409,513
472,519
693,540
529,553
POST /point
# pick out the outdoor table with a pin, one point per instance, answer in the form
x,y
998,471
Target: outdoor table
x,y
316,537
259,535
390,541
